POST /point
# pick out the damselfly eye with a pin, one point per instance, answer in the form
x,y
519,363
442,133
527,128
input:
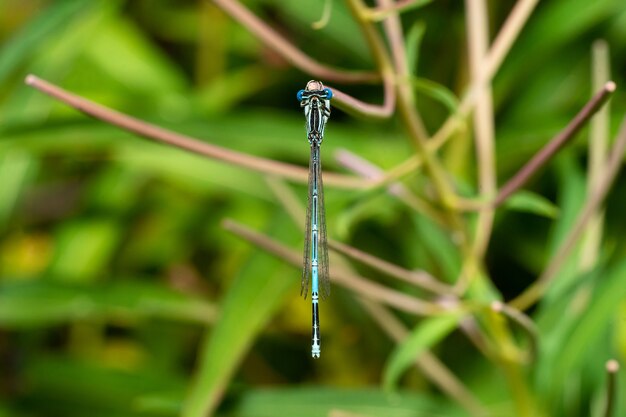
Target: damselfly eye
x,y
329,93
300,95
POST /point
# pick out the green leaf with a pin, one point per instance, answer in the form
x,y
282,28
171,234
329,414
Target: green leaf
x,y
16,169
123,51
529,202
438,92
313,402
340,37
74,388
445,260
413,44
572,194
425,335
27,42
84,249
45,302
577,344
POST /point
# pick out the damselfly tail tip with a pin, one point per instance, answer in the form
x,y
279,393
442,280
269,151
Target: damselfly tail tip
x,y
315,353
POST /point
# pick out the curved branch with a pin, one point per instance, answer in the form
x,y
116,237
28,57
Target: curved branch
x,y
188,143
288,51
307,64
360,108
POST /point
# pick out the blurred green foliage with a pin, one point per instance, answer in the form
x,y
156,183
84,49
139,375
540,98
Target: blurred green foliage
x,y
117,280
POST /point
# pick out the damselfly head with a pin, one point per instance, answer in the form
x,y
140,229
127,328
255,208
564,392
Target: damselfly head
x,y
314,86
314,90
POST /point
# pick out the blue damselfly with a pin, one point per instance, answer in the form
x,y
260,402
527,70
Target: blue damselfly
x,y
315,99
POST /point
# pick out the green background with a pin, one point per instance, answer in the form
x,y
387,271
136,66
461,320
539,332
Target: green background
x,y
117,279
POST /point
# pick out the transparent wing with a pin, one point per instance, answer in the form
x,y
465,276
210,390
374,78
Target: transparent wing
x,y
323,243
306,267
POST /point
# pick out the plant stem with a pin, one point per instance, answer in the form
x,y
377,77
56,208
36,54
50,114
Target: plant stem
x,y
478,44
360,108
420,279
598,145
524,322
612,367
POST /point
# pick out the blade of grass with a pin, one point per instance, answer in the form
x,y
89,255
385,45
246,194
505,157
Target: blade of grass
x,y
598,145
45,302
16,168
250,302
427,362
26,42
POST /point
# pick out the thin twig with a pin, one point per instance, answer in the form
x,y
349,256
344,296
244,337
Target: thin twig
x,y
560,140
593,202
426,361
188,143
354,282
360,108
507,35
420,278
292,54
612,367
325,18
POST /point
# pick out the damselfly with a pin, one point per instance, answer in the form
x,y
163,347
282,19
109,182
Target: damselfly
x,y
315,99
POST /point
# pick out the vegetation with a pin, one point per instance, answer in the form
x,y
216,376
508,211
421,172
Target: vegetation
x,y
472,190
